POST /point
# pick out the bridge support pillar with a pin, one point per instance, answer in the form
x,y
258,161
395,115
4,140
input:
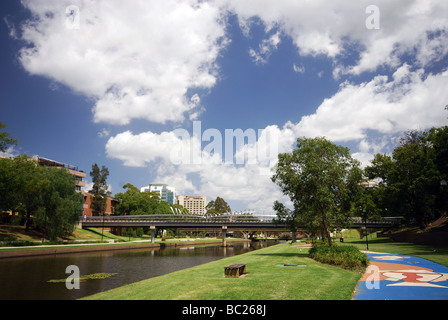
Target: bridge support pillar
x,y
153,233
224,231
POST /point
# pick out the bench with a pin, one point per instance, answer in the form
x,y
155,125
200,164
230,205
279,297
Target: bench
x,y
235,270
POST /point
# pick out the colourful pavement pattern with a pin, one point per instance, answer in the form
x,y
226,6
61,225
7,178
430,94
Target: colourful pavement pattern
x,y
402,277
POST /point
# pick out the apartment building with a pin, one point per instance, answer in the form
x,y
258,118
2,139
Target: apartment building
x,y
194,204
73,170
111,203
80,175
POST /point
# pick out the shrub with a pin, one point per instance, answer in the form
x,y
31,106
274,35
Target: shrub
x,y
347,257
139,232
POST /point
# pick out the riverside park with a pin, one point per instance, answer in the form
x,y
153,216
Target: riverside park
x,y
194,269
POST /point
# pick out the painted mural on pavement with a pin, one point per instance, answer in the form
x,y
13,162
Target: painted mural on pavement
x,y
401,277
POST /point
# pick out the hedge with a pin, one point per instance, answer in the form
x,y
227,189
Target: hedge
x,y
347,257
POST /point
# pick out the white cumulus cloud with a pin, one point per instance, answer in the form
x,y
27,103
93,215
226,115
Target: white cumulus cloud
x,y
136,61
335,28
409,100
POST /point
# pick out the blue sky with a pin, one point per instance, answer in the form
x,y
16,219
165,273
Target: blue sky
x,y
112,82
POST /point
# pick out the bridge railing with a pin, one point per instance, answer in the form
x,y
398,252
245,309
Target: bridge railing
x,y
161,218
176,218
383,220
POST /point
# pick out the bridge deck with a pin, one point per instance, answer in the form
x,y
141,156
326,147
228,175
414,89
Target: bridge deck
x,y
231,222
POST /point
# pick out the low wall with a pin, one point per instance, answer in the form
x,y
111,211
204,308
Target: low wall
x,y
96,248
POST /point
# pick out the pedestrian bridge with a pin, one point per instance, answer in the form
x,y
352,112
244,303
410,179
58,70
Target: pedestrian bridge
x,y
224,223
229,222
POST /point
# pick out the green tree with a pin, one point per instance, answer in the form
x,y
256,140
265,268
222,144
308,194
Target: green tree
x,y
61,205
438,139
21,182
99,189
5,140
411,176
134,202
322,181
163,207
290,218
43,195
217,207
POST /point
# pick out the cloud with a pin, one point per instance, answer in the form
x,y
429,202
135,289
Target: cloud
x,y
298,69
136,61
10,152
384,105
141,149
181,159
335,28
89,186
265,49
104,133
146,59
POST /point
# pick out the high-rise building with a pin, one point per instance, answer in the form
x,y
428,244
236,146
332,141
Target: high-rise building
x,y
194,204
166,192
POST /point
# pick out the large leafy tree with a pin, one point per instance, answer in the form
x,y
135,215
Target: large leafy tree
x,y
438,139
21,185
217,207
62,205
43,195
410,178
99,189
322,181
134,202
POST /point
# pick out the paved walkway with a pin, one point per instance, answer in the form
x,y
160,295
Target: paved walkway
x,y
402,277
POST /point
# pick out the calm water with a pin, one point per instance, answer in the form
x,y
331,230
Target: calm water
x,y
27,278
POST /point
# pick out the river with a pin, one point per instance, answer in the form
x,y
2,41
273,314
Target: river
x,y
27,278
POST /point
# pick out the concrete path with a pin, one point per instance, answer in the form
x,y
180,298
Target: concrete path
x,y
402,277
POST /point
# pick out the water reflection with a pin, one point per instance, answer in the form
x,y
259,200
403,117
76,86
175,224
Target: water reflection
x,y
27,278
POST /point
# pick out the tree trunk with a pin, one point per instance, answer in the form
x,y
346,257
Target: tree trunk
x,y
326,230
294,239
27,222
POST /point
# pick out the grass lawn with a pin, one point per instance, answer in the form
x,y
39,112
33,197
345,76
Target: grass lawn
x,y
264,280
18,233
433,253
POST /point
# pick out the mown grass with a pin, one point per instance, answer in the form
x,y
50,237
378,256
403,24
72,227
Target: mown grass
x,y
264,280
438,254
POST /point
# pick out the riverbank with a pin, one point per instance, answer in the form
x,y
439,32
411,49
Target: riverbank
x,y
93,242
279,272
12,252
29,278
